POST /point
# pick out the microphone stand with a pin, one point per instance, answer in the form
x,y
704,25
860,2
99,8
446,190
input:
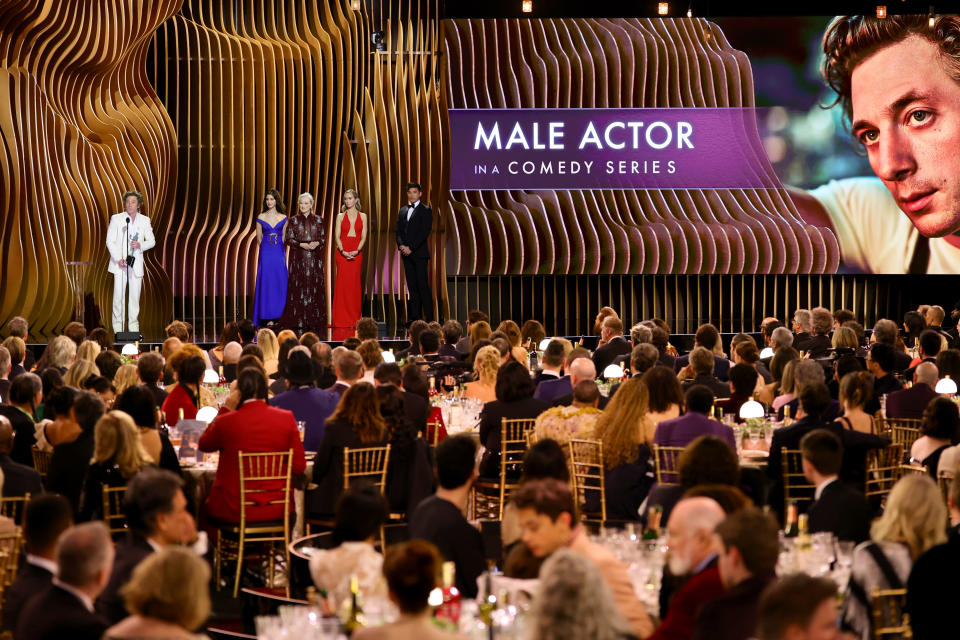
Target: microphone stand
x,y
126,302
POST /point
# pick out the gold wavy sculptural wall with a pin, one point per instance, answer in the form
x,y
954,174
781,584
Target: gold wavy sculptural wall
x,y
622,63
79,124
289,95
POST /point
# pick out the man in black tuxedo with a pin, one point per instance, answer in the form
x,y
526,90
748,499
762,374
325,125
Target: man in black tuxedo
x,y
19,479
44,519
348,366
65,608
837,508
614,345
413,230
416,408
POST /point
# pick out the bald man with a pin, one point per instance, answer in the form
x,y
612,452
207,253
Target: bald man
x,y
19,479
694,548
910,403
580,369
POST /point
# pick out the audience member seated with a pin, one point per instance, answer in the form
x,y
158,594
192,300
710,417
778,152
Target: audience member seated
x,y
18,327
306,402
126,377
886,332
699,372
707,337
59,425
70,460
910,403
410,570
802,329
743,384
19,479
26,394
807,372
532,333
452,332
360,513
356,424
930,345
573,601
547,515
836,507
137,402
798,607
185,395
348,367
912,523
416,328
277,380
45,518
930,597
321,354
65,608
948,363
575,422
747,564
270,346
880,363
231,356
229,333
155,509
613,345
486,364
248,424
821,324
477,331
409,473
103,387
940,429
681,431
371,355
781,391
551,365
76,376
5,370
439,519
416,395
627,435
856,391
117,456
168,596
660,338
108,362
514,401
694,550
643,358
666,394
550,390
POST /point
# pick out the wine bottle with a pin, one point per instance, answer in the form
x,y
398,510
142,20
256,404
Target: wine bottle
x,y
450,609
803,541
787,421
354,619
791,530
654,515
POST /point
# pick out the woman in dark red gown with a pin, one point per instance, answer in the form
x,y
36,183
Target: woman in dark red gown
x,y
351,235
306,308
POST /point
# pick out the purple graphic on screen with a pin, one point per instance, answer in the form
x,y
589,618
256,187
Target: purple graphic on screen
x,y
693,148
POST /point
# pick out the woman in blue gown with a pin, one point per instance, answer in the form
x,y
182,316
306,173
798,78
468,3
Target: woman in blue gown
x,y
271,292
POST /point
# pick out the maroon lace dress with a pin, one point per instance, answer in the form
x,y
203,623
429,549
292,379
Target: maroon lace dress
x,y
306,308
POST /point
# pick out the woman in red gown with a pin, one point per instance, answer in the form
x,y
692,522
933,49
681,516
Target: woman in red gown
x,y
350,231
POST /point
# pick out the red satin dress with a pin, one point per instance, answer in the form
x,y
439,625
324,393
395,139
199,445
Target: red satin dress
x,y
346,308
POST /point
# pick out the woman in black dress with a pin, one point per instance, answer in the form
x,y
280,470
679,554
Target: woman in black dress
x,y
306,308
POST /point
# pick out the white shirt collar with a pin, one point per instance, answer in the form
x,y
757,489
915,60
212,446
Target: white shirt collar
x,y
43,563
154,545
548,372
414,205
823,485
345,383
79,595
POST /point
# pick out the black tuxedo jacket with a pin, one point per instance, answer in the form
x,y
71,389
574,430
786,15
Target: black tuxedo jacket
x,y
29,582
414,233
605,355
131,551
843,511
55,614
19,479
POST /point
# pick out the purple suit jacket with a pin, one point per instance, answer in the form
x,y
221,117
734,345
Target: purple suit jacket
x,y
550,390
910,403
679,432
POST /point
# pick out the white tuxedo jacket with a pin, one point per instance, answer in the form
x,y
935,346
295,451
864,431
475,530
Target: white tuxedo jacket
x,y
117,241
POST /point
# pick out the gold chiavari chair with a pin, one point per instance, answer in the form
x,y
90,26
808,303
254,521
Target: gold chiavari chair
x,y
14,506
113,510
489,497
367,463
262,477
41,460
587,476
902,431
890,618
944,480
796,487
882,471
665,462
433,433
10,544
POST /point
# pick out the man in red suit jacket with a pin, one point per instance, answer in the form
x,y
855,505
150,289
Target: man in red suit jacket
x,y
693,550
248,424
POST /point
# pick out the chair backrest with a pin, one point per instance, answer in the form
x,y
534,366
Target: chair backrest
x,y
883,470
260,475
433,432
9,557
944,480
586,475
113,510
902,431
890,619
14,506
368,463
665,461
796,487
41,460
513,444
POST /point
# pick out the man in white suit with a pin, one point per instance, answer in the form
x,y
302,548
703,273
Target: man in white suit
x,y
120,247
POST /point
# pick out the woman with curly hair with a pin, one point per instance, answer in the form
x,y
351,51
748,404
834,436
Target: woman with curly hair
x,y
626,430
485,367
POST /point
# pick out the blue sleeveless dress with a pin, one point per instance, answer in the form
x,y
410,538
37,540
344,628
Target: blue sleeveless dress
x,y
270,294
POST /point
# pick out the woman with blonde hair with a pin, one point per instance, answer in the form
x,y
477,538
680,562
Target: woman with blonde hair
x,y
485,366
79,372
270,346
167,596
350,233
305,238
125,378
88,350
118,455
626,430
845,337
914,520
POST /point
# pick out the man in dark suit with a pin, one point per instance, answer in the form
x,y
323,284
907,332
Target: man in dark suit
x,y
413,230
747,565
837,508
416,408
642,358
801,326
880,364
65,608
70,460
473,317
930,344
157,516
886,332
44,519
26,394
552,366
150,370
18,479
707,336
309,404
910,403
699,371
580,369
348,366
452,331
18,328
611,334
550,390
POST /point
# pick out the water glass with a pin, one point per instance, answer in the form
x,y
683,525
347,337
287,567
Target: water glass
x,y
301,428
